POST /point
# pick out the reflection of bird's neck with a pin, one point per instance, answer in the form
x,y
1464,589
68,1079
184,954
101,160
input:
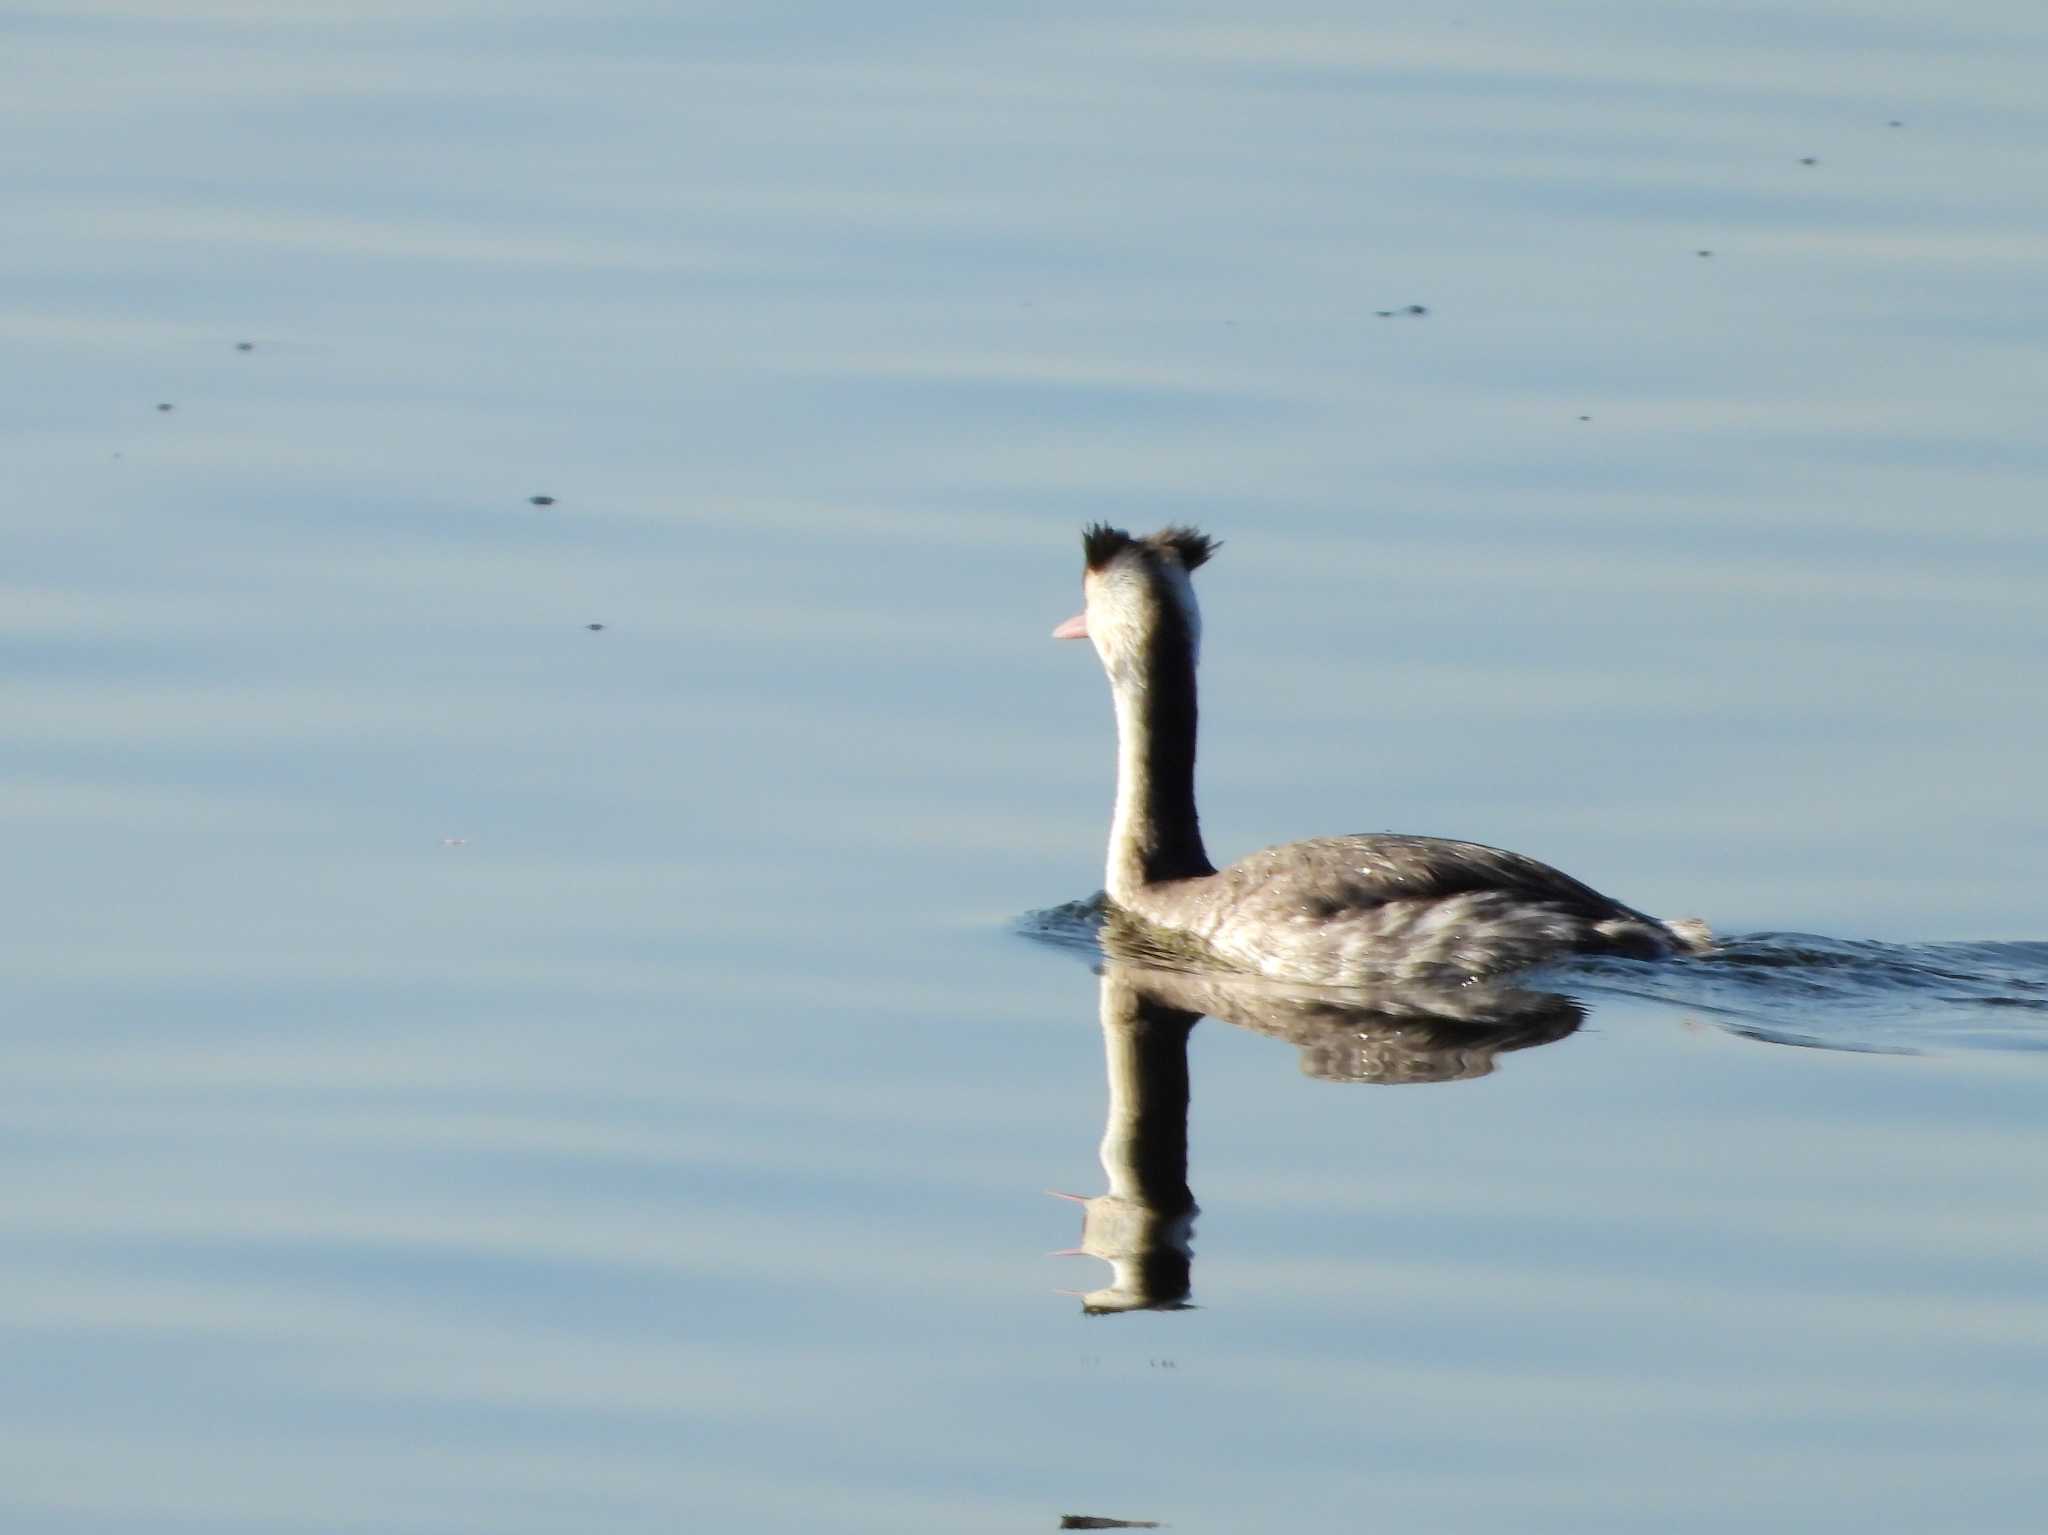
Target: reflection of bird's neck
x,y
1156,833
1144,1225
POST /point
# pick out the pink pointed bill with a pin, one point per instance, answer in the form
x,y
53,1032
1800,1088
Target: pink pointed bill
x,y
1075,628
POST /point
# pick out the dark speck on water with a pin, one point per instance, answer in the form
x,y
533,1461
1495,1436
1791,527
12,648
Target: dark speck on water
x,y
1703,253
245,346
542,500
1809,160
165,406
593,628
1406,309
1095,1522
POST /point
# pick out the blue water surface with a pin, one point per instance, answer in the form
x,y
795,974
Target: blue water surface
x,y
518,1019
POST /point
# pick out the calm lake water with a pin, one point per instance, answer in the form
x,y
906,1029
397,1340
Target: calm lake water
x,y
470,1069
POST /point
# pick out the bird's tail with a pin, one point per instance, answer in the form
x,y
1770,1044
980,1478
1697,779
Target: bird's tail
x,y
1691,934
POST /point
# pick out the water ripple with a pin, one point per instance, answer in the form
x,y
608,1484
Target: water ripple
x,y
1797,989
1849,994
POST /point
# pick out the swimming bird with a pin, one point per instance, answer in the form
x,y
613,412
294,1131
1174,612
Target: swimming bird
x,y
1328,911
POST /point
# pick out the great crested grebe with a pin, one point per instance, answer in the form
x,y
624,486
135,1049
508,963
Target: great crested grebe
x,y
1329,911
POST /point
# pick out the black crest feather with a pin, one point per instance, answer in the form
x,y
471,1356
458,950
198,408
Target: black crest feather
x,y
1101,543
1192,546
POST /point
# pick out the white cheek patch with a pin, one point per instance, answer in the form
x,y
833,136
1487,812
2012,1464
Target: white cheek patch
x,y
1124,604
1117,639
1114,601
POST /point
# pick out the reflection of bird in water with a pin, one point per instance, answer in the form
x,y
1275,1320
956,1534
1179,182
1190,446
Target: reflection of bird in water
x,y
1144,1225
1388,1034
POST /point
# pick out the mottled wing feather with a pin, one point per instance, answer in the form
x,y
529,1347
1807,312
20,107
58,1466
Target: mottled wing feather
x,y
1338,909
1363,870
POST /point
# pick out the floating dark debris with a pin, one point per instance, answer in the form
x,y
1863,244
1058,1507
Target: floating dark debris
x,y
1406,309
1895,123
1703,253
1095,1522
1585,418
1809,160
166,406
593,628
245,346
542,500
